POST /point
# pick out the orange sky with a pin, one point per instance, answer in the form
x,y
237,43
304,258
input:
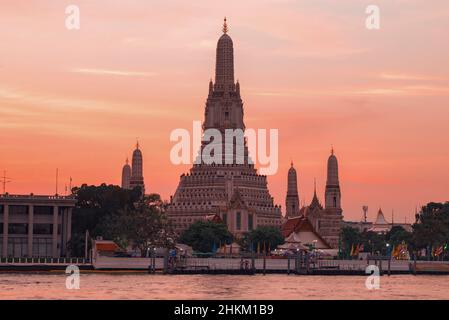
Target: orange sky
x,y
77,100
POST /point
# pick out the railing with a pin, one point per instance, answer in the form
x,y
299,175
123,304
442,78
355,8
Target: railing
x,y
44,260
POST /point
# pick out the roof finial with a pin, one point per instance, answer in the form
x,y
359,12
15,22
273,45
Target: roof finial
x,y
314,186
332,149
225,26
291,162
137,143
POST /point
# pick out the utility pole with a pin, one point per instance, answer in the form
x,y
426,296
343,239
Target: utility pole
x,y
5,180
57,176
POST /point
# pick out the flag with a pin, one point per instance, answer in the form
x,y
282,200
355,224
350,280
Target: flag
x,y
438,251
362,247
352,250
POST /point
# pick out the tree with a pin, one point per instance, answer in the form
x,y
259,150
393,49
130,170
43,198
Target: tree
x,y
143,227
432,226
96,207
372,242
202,236
349,237
397,235
264,237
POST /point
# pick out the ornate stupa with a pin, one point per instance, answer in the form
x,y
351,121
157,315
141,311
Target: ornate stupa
x,y
292,198
136,179
231,189
126,175
327,221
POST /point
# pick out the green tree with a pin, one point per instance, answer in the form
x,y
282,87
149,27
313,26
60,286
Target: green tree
x,y
432,226
270,236
96,206
202,236
397,235
348,237
372,242
143,227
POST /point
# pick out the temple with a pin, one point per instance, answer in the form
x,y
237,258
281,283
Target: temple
x,y
132,176
327,220
227,186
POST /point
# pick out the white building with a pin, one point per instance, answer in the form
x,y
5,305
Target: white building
x,y
35,226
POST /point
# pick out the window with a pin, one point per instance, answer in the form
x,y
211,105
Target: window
x,y
225,218
335,202
2,208
226,115
18,210
43,228
250,222
18,228
238,218
43,210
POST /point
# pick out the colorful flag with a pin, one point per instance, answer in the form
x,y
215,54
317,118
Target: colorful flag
x,y
352,250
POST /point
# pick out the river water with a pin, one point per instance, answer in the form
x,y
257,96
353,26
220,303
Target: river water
x,y
144,286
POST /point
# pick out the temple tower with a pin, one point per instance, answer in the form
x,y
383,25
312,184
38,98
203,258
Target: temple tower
x,y
292,198
223,181
332,195
137,170
126,175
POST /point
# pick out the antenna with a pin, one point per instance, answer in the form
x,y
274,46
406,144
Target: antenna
x,y
57,174
5,180
365,211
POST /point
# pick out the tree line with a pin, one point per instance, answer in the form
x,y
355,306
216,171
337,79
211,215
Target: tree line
x,y
430,232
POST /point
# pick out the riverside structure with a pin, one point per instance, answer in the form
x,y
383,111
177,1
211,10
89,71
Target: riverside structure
x,y
35,225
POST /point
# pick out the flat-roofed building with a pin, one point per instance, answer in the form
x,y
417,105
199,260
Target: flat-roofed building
x,y
35,225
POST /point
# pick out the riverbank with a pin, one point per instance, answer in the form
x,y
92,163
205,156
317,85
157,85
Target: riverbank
x,y
234,266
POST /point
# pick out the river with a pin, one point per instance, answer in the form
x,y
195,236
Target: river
x,y
144,286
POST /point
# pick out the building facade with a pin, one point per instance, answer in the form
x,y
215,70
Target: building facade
x,y
229,187
35,226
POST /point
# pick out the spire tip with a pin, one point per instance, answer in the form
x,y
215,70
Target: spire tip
x,y
225,26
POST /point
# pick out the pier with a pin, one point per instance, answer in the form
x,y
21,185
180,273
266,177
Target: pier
x,y
244,265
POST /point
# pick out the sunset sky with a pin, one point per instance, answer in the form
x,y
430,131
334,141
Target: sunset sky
x,y
77,100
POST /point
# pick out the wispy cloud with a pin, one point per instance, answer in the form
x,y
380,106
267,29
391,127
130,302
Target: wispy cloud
x,y
402,76
109,72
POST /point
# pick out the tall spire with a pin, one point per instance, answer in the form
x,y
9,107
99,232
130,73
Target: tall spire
x,y
332,194
315,202
224,69
225,26
292,199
